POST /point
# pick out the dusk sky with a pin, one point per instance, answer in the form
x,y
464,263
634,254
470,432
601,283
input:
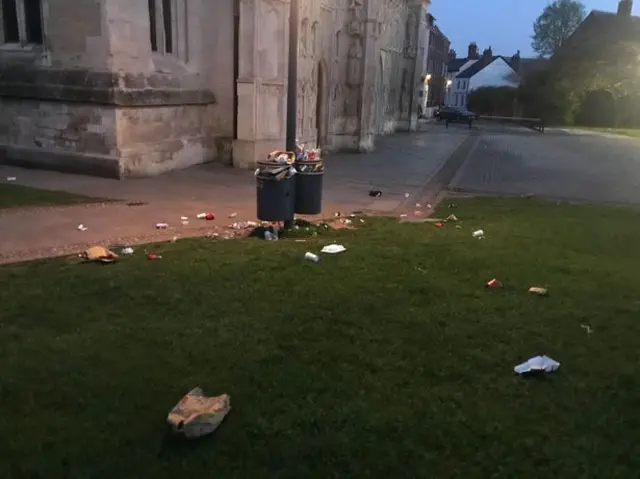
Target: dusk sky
x,y
504,25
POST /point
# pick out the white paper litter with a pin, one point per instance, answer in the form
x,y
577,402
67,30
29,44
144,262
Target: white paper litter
x,y
334,248
537,364
11,178
82,228
127,250
184,218
478,234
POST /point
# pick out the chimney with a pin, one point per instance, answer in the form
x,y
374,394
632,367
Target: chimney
x,y
624,8
515,62
452,54
487,55
473,51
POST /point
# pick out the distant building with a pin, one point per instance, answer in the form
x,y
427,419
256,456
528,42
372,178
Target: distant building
x,y
435,76
475,71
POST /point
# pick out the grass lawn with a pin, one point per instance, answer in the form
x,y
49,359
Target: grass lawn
x,y
633,132
13,196
390,360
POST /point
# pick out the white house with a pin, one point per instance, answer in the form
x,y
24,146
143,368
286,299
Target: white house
x,y
468,74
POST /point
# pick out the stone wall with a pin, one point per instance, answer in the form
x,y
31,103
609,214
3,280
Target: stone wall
x,y
96,76
68,137
356,70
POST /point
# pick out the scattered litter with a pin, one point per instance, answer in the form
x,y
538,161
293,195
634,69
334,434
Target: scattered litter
x,y
185,223
11,178
375,193
301,241
334,248
174,239
537,364
494,284
201,216
539,291
429,206
452,218
270,236
418,205
406,195
151,256
197,415
184,218
478,234
439,224
82,228
210,217
587,328
162,226
126,250
337,214
311,257
417,213
403,216
99,254
459,227
361,220
347,222
233,215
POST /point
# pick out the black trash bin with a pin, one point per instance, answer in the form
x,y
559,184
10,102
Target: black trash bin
x,y
275,197
310,174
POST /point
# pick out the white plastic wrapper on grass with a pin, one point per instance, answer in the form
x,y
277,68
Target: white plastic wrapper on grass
x,y
537,364
334,249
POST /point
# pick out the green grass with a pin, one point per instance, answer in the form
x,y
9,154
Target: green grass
x,y
14,196
389,360
633,132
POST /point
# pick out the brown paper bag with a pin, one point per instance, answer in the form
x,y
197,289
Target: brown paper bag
x,y
99,253
197,415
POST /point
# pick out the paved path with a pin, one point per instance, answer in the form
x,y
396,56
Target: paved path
x,y
573,165
402,163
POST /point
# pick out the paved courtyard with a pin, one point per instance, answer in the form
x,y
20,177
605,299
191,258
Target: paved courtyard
x,y
402,163
563,164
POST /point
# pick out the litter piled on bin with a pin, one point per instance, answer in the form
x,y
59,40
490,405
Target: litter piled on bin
x,y
308,161
278,166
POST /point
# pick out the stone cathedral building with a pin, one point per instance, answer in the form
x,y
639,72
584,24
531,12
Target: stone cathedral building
x,y
139,87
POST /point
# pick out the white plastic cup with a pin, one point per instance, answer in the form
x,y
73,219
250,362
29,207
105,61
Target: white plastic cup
x,y
312,257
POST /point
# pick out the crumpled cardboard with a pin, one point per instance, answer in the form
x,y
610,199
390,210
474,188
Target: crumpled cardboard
x,y
197,415
100,254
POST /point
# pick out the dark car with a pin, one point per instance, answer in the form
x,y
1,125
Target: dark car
x,y
455,113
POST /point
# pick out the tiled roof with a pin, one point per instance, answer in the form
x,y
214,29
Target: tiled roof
x,y
476,67
455,64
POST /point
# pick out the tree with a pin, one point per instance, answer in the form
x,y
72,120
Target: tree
x,y
493,100
555,24
548,96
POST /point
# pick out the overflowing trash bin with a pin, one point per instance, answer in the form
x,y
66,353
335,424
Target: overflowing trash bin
x,y
275,185
309,179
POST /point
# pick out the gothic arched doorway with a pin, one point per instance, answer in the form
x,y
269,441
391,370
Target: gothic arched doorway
x,y
321,105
